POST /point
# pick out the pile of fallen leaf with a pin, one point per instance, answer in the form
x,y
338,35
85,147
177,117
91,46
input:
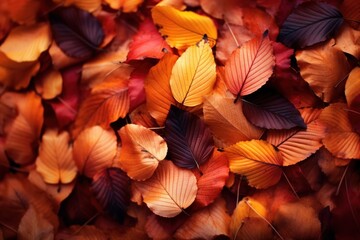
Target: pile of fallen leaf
x,y
185,119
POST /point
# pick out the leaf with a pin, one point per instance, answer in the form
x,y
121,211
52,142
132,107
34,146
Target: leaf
x,y
348,40
257,160
147,43
55,162
340,138
352,86
189,140
25,130
37,38
193,75
183,29
247,221
297,145
166,196
24,11
157,88
94,150
216,218
163,228
212,180
221,10
108,101
250,66
124,5
50,84
34,226
79,40
351,11
111,187
268,109
227,121
323,67
87,5
16,75
142,150
309,24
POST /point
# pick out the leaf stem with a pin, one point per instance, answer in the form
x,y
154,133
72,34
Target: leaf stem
x,y
8,227
341,180
291,186
232,34
86,223
72,110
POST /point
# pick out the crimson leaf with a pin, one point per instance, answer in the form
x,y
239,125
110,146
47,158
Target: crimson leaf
x,y
76,32
309,24
189,141
268,109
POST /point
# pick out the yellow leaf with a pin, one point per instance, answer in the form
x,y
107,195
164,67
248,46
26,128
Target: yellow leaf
x,y
227,121
142,149
55,162
125,5
16,75
193,75
216,218
169,191
88,5
257,160
50,84
157,88
183,29
25,130
37,38
352,86
94,150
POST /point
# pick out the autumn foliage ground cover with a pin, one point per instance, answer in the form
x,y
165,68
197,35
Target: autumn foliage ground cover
x,y
185,119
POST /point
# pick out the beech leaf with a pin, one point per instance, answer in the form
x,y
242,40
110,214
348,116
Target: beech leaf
x,y
189,140
76,32
142,149
352,87
310,23
193,75
169,191
250,66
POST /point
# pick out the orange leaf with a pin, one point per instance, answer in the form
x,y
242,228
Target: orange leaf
x,y
257,160
142,149
348,40
217,10
227,121
183,29
169,191
157,88
193,75
16,75
352,86
340,138
25,11
125,5
94,150
37,38
88,5
55,161
250,66
216,218
323,67
107,102
25,130
351,11
296,145
50,84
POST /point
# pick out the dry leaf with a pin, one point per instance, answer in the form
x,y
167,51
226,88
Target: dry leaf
x,y
50,84
124,5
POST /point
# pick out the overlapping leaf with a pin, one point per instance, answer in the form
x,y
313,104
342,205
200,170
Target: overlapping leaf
x,y
351,10
268,109
111,187
193,75
227,121
210,182
352,86
76,32
183,29
257,160
94,150
125,5
169,191
216,218
250,66
87,5
37,38
189,140
348,40
296,145
142,149
309,24
157,88
55,161
323,67
50,84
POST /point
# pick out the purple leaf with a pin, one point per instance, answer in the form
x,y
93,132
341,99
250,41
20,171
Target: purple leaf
x,y
268,109
309,24
189,141
76,32
111,188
